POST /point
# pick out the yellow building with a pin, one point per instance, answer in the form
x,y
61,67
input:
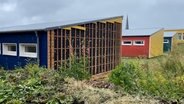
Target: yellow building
x,y
178,38
156,40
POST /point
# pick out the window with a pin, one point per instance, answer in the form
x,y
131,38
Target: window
x,y
166,41
126,42
9,49
180,36
28,50
139,42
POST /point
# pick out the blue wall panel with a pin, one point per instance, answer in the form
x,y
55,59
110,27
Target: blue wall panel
x,y
10,62
43,48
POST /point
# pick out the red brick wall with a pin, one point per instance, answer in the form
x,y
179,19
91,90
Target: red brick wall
x,y
135,51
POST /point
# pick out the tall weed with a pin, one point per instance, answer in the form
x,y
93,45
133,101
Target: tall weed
x,y
76,68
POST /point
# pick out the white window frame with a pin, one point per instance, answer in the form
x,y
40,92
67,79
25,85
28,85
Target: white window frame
x,y
122,43
5,49
166,41
22,52
134,43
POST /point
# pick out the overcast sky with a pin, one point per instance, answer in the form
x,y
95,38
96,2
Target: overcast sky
x,y
142,13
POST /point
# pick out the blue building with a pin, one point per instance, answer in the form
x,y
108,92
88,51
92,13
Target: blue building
x,y
168,41
51,44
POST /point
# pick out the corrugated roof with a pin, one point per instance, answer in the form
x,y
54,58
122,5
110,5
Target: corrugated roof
x,y
169,34
44,26
140,32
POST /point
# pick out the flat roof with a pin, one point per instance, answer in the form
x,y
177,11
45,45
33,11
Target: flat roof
x,y
140,32
46,26
169,34
174,28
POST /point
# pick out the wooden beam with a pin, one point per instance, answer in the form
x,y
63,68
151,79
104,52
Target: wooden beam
x,y
76,27
48,49
52,49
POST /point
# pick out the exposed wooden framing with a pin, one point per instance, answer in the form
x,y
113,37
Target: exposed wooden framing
x,y
101,42
105,56
113,40
99,50
70,48
119,32
56,49
67,28
107,46
61,47
88,45
52,49
48,51
80,39
96,28
92,49
83,46
103,45
75,27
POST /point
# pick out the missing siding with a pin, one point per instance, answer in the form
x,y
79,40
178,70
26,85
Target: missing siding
x,y
99,42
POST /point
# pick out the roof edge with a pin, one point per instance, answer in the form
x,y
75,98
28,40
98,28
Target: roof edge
x,y
157,31
61,26
95,20
174,33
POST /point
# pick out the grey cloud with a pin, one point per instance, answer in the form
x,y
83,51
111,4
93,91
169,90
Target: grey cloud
x,y
142,13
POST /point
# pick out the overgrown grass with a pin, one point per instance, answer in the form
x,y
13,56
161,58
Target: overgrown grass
x,y
160,78
34,84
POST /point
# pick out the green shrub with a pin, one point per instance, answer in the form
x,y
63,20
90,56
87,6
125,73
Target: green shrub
x,y
75,69
136,80
126,75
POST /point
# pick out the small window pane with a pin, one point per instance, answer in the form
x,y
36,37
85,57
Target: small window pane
x,y
31,49
139,42
11,48
127,42
166,41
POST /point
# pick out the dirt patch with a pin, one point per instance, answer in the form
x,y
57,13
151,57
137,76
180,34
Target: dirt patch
x,y
101,81
101,84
